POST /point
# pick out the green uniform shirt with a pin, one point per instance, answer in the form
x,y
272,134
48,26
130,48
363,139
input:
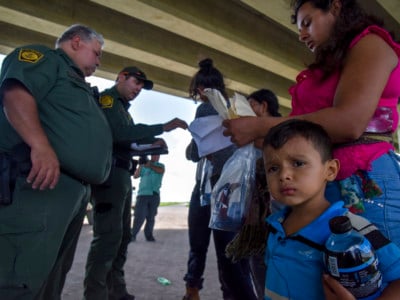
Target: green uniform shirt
x,y
150,180
124,130
69,114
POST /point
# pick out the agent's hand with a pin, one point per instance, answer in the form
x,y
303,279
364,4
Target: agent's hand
x,y
175,123
334,290
45,170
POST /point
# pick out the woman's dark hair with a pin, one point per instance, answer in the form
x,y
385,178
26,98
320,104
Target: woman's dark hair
x,y
351,22
207,77
268,97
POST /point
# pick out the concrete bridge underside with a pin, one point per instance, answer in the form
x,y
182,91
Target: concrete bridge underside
x,y
251,41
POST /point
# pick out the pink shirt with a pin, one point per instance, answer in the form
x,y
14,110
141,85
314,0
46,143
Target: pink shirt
x,y
309,94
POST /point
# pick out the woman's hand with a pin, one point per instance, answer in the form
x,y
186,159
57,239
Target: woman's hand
x,y
245,130
242,130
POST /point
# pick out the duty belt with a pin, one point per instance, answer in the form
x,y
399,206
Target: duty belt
x,y
123,164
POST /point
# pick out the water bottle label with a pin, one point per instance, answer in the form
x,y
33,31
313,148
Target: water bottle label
x,y
351,260
333,266
361,281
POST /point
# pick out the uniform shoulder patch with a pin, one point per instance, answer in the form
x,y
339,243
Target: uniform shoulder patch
x,y
30,55
106,101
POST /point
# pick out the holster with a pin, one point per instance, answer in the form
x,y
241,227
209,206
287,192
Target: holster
x,y
107,182
5,179
134,164
129,165
12,165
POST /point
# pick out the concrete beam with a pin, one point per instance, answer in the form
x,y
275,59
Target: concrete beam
x,y
277,10
251,41
123,48
392,7
144,11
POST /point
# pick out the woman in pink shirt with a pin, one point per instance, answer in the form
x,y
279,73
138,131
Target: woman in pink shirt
x,y
351,89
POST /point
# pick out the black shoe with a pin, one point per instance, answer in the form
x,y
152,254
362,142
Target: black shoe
x,y
151,239
127,297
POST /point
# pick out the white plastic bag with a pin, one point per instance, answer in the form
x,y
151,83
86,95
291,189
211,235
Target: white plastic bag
x,y
232,192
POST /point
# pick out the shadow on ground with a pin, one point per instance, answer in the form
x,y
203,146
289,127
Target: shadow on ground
x,y
146,261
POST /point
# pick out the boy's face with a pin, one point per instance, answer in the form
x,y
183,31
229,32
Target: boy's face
x,y
296,174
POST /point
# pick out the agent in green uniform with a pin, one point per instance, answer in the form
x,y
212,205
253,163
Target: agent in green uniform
x,y
55,142
112,201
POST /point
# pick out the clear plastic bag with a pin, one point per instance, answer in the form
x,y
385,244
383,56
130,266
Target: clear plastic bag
x,y
205,186
232,193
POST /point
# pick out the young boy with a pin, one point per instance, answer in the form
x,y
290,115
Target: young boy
x,y
298,164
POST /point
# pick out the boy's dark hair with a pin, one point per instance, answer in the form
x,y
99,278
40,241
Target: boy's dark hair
x,y
268,97
280,134
207,76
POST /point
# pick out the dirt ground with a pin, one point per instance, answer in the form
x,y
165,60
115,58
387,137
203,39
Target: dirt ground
x,y
147,261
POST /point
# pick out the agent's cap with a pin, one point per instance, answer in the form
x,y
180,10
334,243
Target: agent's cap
x,y
138,74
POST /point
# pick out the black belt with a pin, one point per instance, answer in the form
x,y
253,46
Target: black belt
x,y
123,164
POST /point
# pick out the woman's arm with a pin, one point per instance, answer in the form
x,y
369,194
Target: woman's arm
x,y
364,76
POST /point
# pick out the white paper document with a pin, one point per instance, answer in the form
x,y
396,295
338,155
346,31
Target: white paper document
x,y
237,105
141,147
207,133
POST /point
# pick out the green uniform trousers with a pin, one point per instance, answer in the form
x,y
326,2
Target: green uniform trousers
x,y
111,236
38,236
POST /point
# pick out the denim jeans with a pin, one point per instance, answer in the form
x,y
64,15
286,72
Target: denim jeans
x,y
146,208
383,211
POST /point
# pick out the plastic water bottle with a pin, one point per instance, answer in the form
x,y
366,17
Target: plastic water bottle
x,y
163,281
350,259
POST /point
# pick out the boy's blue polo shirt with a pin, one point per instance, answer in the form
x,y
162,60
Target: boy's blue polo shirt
x,y
294,268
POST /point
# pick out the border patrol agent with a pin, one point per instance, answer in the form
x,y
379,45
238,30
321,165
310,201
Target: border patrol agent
x,y
112,201
55,141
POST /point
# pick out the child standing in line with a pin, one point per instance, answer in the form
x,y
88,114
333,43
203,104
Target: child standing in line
x,y
298,163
